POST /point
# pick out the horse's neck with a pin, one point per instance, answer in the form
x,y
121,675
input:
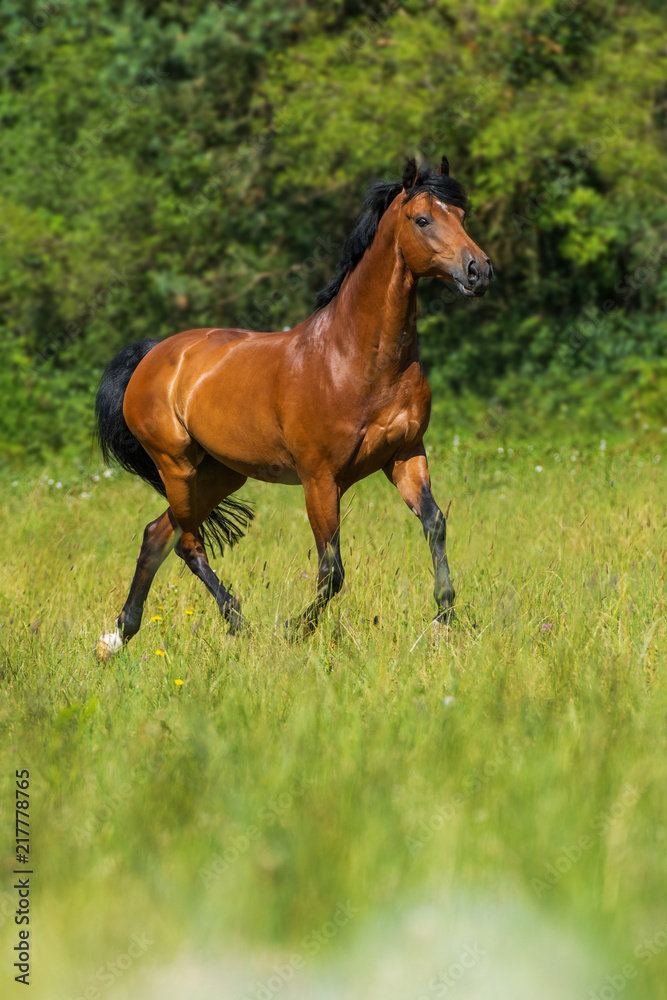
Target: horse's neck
x,y
375,312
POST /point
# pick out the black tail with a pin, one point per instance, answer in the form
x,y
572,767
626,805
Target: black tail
x,y
225,525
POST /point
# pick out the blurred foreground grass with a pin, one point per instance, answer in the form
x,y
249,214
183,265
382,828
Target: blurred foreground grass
x,y
506,779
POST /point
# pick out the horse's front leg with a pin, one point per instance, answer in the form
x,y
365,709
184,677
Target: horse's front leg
x,y
323,508
410,475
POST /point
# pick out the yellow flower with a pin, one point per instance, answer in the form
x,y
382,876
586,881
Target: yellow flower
x,y
160,607
178,682
189,611
156,618
160,652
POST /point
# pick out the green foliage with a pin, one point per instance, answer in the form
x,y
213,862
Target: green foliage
x,y
168,166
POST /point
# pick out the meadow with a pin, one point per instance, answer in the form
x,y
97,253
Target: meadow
x,y
380,810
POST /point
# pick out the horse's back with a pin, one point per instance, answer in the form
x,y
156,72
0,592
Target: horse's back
x,y
199,349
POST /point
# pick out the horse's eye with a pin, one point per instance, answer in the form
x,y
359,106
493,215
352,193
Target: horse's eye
x,y
421,222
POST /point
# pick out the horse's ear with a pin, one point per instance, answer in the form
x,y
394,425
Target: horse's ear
x,y
410,174
444,167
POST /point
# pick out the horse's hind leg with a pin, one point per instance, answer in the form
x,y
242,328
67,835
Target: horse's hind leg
x,y
192,496
193,554
158,541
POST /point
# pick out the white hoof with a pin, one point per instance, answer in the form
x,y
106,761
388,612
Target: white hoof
x,y
108,645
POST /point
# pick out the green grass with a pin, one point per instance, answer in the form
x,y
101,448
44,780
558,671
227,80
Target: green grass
x,y
439,775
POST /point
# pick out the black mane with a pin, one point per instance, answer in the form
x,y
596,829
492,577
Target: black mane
x,y
377,201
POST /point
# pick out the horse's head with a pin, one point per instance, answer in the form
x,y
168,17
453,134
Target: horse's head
x,y
430,233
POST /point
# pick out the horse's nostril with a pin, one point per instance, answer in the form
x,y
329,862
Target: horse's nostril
x,y
473,272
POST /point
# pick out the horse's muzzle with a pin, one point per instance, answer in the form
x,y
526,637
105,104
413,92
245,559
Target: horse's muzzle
x,y
473,274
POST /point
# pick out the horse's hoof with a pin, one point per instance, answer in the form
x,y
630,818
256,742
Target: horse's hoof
x,y
298,628
291,629
445,616
236,623
108,645
231,611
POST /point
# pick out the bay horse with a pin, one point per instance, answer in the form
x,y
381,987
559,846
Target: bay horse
x,y
337,398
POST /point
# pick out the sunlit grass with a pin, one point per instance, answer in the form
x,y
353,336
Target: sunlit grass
x,y
225,794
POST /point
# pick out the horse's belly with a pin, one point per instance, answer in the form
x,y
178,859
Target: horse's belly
x,y
266,471
274,473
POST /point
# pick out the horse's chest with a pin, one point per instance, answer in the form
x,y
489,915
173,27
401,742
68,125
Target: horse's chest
x,y
399,429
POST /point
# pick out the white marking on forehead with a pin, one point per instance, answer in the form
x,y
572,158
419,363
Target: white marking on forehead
x,y
442,204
